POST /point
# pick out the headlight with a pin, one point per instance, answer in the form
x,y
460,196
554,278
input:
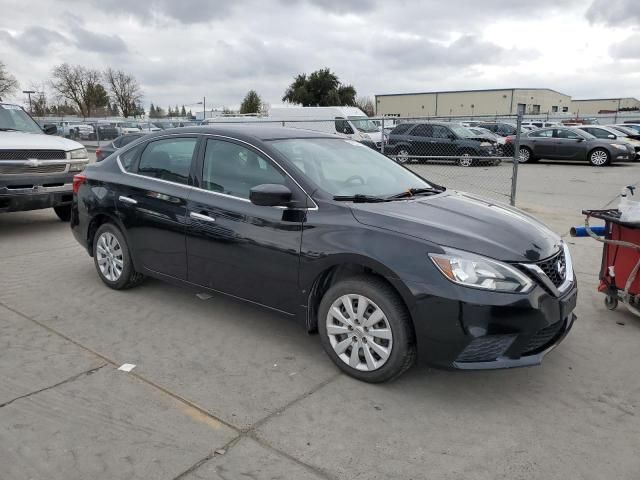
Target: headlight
x,y
486,144
79,154
475,271
619,146
77,167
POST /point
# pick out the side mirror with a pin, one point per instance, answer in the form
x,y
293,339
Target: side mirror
x,y
270,195
580,139
50,129
612,136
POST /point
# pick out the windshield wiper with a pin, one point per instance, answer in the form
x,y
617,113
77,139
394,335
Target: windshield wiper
x,y
411,192
359,198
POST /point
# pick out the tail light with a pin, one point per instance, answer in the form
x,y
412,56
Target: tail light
x,y
508,139
77,181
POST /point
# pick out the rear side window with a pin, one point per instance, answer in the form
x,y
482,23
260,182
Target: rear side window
x,y
542,133
127,139
422,131
168,159
401,129
128,158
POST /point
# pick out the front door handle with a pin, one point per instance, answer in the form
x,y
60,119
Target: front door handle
x,y
124,199
201,217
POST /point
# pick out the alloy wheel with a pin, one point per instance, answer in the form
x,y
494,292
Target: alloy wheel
x,y
465,160
524,155
403,156
359,332
599,158
110,257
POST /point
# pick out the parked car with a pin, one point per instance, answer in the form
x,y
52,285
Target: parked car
x,y
75,129
634,126
571,143
126,127
532,124
612,134
499,128
630,132
36,167
380,262
104,131
444,141
105,150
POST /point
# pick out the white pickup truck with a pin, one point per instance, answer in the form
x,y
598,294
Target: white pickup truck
x,y
36,167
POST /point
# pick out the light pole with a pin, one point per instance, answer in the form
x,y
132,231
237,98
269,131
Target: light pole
x,y
29,92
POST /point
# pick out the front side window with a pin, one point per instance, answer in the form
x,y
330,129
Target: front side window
x,y
441,132
168,159
345,167
597,132
234,170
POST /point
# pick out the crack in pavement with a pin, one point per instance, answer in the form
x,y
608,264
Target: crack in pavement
x,y
249,432
68,380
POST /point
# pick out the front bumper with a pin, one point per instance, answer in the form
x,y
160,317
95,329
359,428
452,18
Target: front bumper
x,y
476,330
33,192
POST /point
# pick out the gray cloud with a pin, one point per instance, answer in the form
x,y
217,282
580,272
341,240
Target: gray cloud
x,y
629,48
33,40
192,12
98,42
614,12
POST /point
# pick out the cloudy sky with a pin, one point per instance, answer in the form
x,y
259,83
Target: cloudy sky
x,y
183,50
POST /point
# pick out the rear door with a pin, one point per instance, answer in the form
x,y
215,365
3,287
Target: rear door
x,y
152,201
542,143
422,141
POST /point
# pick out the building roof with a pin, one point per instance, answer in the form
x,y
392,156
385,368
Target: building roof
x,y
469,91
603,99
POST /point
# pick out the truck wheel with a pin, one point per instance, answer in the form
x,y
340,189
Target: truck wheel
x,y
366,329
113,260
63,212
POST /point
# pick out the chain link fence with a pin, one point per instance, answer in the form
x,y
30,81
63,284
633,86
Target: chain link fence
x,y
474,155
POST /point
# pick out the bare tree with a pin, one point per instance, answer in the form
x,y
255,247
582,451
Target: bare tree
x,y
80,85
366,105
124,90
8,83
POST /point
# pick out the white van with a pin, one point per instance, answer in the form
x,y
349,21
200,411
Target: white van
x,y
350,122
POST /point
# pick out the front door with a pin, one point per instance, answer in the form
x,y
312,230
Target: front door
x,y
234,246
152,203
569,145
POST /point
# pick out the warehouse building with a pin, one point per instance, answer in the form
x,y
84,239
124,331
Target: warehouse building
x,y
593,106
531,101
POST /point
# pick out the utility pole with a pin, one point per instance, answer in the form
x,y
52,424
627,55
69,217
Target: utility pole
x,y
204,108
29,92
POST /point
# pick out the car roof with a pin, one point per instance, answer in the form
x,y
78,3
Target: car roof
x,y
247,132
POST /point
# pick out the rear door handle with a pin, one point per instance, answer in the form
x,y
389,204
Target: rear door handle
x,y
124,199
201,217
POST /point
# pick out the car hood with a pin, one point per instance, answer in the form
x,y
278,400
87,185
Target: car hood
x,y
35,141
465,222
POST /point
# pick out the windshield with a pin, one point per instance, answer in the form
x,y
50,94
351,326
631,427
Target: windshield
x,y
364,124
462,132
344,167
12,117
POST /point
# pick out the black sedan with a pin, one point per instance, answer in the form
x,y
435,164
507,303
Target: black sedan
x,y
380,262
105,150
567,143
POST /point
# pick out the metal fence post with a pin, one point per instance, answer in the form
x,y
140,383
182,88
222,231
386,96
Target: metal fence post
x,y
382,136
516,160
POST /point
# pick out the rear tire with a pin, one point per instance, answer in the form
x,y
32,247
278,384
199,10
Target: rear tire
x,y
384,349
599,157
402,157
63,212
112,259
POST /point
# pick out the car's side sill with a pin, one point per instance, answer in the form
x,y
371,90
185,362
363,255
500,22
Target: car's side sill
x,y
186,283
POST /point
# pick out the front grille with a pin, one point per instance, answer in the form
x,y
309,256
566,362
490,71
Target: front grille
x,y
486,349
29,154
27,170
542,338
555,268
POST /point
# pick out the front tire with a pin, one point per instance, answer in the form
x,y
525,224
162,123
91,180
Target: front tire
x,y
599,157
366,330
466,160
402,156
63,212
112,259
